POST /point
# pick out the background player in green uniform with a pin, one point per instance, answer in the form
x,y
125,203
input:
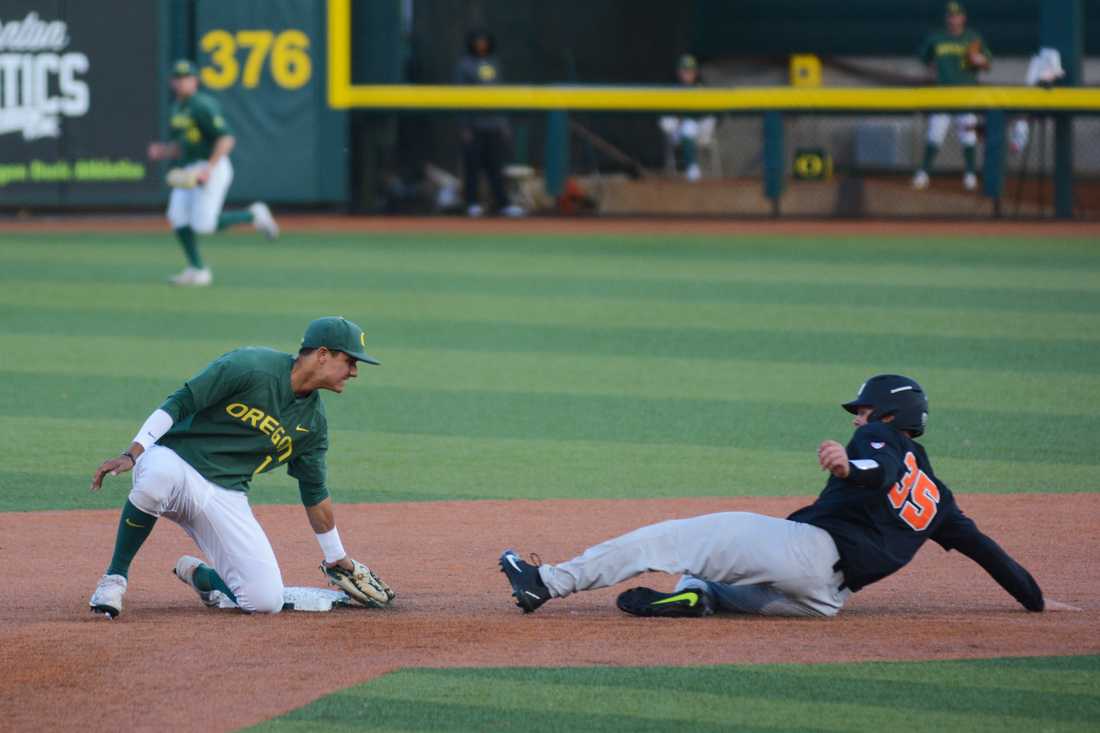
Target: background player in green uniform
x,y
201,142
956,55
686,131
248,412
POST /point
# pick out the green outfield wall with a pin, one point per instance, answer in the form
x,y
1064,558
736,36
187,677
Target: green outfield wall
x,y
80,99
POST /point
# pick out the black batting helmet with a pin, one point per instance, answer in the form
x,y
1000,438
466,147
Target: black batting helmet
x,y
893,394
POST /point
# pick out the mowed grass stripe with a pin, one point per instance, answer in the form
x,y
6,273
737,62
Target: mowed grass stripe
x,y
907,351
967,434
862,697
371,466
551,266
30,300
658,250
915,295
782,383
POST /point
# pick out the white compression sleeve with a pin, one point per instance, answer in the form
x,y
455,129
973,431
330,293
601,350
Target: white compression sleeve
x,y
331,545
154,428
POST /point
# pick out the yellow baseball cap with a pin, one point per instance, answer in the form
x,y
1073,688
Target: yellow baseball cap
x,y
338,334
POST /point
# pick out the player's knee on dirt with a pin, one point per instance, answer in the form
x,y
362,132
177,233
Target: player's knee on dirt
x,y
260,597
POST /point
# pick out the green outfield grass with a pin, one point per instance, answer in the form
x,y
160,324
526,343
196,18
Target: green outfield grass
x,y
539,366
1023,694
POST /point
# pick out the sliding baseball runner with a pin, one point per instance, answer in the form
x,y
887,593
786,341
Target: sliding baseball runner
x,y
248,412
882,502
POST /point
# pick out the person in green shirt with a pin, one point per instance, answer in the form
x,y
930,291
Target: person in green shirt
x,y
686,131
201,143
956,55
248,412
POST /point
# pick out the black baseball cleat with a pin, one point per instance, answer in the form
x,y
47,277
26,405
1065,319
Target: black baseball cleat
x,y
690,602
527,586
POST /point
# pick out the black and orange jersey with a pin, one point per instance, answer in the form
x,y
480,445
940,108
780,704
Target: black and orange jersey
x,y
890,504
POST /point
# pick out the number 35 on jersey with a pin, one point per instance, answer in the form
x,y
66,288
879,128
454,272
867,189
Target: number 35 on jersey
x,y
916,496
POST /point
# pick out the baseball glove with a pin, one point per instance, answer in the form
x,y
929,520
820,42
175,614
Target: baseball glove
x,y
361,584
182,178
974,57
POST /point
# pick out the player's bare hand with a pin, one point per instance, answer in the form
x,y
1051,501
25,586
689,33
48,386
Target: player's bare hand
x,y
833,458
114,467
202,175
158,151
1050,604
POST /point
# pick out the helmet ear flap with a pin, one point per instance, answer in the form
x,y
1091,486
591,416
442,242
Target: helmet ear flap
x,y
880,414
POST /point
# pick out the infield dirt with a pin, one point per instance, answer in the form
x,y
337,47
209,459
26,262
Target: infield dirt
x,y
664,226
168,663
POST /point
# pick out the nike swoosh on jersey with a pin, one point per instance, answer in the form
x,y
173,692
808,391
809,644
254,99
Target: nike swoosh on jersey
x,y
300,429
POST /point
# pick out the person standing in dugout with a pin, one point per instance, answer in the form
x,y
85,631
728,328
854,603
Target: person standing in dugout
x,y
485,136
955,55
201,143
248,412
881,503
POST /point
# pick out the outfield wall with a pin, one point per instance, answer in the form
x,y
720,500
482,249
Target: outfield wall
x,y
81,99
314,93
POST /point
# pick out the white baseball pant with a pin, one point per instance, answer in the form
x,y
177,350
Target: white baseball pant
x,y
751,563
200,207
965,125
687,128
220,522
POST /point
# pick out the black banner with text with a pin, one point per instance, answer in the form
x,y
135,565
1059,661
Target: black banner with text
x,y
80,88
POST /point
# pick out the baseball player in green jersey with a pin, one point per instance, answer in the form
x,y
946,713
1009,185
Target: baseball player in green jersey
x,y
201,143
956,55
248,412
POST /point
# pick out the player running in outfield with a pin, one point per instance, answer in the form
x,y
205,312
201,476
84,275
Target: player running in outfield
x,y
201,143
881,503
248,412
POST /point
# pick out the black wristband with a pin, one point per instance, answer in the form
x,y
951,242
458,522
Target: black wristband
x,y
133,461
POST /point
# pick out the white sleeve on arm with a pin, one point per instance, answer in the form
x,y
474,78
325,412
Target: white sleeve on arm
x,y
154,428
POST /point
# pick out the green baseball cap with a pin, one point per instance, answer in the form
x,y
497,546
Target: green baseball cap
x,y
955,9
687,61
338,334
183,67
